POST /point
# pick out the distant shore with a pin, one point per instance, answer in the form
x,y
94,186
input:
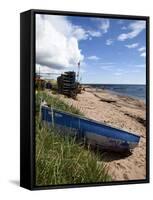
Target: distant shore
x,y
135,91
122,112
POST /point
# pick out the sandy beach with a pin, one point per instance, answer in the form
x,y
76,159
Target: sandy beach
x,y
121,112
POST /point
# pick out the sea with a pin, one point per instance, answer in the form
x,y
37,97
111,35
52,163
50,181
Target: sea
x,y
135,91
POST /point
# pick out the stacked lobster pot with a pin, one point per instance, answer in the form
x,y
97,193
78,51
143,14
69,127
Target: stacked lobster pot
x,y
67,84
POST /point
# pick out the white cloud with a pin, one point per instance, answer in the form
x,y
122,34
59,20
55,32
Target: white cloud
x,y
40,69
131,46
134,28
79,33
47,72
93,58
57,42
94,33
143,54
142,49
82,34
104,25
109,42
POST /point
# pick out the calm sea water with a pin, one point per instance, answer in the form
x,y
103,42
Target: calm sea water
x,y
136,91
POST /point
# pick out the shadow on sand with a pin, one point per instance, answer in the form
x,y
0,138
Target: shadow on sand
x,y
108,156
111,156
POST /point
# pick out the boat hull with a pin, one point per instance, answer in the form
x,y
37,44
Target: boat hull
x,y
95,133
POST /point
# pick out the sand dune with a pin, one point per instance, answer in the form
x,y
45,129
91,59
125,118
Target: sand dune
x,y
122,112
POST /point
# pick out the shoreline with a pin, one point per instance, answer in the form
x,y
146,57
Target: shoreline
x,y
99,89
121,112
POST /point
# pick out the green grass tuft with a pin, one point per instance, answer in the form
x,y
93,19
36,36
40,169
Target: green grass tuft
x,y
59,159
55,102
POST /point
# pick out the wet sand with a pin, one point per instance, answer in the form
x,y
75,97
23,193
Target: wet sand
x,y
121,112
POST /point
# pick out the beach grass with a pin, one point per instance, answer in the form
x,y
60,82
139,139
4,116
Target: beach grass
x,y
59,158
55,102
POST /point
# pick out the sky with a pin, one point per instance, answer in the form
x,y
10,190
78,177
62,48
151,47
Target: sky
x,y
110,51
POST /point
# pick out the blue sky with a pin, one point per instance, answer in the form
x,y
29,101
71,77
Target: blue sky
x,y
110,60
111,51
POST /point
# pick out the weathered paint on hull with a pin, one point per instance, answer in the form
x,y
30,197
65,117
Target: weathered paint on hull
x,y
97,134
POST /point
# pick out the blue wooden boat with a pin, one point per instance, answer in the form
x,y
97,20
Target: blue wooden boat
x,y
97,134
